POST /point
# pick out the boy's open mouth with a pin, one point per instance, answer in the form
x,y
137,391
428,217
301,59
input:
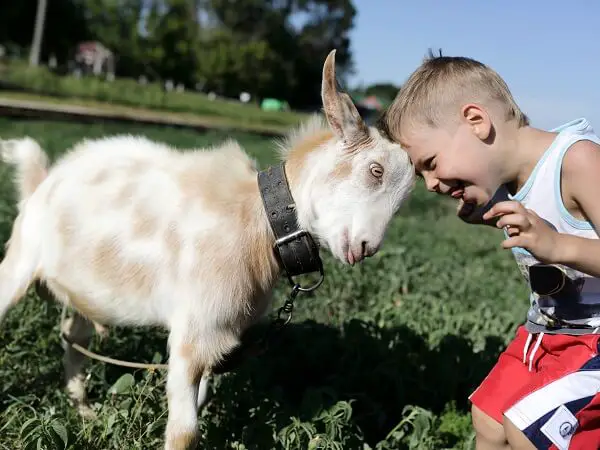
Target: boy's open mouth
x,y
457,191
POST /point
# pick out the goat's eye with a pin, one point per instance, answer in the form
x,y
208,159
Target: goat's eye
x,y
376,170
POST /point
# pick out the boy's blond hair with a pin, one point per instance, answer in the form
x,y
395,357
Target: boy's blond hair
x,y
434,92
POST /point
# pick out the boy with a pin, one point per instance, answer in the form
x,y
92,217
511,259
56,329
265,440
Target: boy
x,y
468,139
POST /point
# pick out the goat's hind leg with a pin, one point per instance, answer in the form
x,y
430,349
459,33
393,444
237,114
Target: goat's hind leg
x,y
77,330
17,269
203,389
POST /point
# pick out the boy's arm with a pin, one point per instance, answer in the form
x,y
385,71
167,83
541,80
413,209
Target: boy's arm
x,y
581,178
581,186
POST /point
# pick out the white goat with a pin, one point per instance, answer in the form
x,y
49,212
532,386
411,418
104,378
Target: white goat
x,y
133,232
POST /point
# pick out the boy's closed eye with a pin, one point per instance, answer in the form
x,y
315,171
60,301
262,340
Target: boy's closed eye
x,y
428,165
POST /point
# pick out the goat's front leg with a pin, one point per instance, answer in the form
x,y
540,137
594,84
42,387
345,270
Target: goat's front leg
x,y
192,355
185,372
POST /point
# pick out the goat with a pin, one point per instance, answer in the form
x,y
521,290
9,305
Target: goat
x,y
128,231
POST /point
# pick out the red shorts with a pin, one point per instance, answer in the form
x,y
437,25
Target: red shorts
x,y
556,404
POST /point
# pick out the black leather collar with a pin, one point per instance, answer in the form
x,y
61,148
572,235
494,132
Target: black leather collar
x,y
294,247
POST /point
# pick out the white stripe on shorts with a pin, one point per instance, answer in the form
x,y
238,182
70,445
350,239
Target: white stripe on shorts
x,y
574,386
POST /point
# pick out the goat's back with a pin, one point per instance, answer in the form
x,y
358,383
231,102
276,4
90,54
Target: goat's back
x,y
131,227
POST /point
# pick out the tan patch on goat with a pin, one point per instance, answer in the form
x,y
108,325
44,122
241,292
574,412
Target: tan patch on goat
x,y
108,265
100,177
342,170
173,244
66,297
65,227
183,441
195,368
257,248
236,197
298,154
251,254
260,259
144,224
192,186
125,195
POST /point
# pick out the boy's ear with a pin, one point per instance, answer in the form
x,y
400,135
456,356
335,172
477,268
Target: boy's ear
x,y
478,119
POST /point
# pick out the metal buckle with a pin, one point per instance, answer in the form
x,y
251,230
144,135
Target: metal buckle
x,y
290,237
296,286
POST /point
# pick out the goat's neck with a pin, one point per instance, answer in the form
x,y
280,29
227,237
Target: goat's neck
x,y
304,178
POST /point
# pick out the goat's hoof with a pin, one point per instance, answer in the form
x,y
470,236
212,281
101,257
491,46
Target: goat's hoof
x,y
86,412
101,330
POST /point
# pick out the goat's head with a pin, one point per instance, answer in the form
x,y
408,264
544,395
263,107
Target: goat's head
x,y
354,182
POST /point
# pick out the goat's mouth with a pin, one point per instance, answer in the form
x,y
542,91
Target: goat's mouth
x,y
351,255
345,248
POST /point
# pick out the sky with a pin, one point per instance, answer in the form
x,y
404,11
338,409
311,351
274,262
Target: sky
x,y
548,52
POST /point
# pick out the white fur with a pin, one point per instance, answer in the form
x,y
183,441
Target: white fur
x,y
134,232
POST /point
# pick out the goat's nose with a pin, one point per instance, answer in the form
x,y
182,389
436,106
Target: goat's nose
x,y
368,249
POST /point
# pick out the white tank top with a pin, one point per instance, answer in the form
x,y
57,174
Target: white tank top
x,y
542,194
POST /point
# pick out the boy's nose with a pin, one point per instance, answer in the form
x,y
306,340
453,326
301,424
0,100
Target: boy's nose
x,y
431,183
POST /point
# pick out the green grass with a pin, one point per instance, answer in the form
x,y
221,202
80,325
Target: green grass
x,y
138,114
382,356
127,92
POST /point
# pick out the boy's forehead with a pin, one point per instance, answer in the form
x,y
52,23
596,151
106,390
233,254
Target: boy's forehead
x,y
422,138
420,145
413,140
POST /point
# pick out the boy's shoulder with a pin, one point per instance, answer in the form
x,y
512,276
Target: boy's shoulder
x,y
579,178
579,156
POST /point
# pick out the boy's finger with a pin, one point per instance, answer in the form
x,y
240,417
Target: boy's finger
x,y
514,220
505,207
515,241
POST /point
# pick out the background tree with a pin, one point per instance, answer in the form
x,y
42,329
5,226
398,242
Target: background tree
x,y
270,48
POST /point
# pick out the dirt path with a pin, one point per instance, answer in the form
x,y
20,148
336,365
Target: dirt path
x,y
14,107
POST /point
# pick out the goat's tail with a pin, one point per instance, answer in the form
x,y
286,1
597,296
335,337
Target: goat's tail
x,y
30,161
19,267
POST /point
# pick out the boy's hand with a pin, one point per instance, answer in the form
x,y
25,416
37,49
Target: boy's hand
x,y
526,230
471,213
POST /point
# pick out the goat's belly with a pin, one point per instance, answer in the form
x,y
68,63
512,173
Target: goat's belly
x,y
109,306
109,276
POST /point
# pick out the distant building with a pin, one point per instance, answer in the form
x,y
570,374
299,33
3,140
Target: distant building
x,y
93,57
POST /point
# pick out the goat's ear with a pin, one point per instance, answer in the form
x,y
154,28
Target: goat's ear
x,y
342,115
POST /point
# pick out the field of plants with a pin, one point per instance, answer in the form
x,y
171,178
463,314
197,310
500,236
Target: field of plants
x,y
40,82
382,356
